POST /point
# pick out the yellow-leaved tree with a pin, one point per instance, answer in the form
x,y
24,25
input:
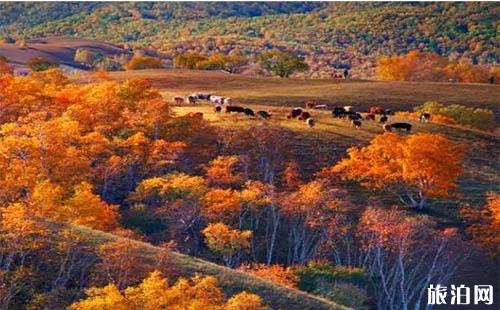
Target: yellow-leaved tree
x,y
416,167
155,293
229,242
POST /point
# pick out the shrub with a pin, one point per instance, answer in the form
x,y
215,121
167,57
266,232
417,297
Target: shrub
x,y
346,294
316,275
144,62
189,60
338,283
483,119
41,64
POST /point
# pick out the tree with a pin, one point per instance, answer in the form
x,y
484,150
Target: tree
x,y
403,254
188,60
5,68
144,62
417,167
282,64
483,224
154,293
228,242
312,212
87,208
225,171
41,64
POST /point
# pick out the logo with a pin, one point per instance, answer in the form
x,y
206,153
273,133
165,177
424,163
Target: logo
x,y
460,295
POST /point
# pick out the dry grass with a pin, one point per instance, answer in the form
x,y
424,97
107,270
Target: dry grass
x,y
291,92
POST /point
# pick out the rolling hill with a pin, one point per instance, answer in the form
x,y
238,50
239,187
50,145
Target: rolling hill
x,y
329,35
59,49
232,281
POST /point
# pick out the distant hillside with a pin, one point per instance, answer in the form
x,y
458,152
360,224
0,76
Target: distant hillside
x,y
330,35
232,281
62,50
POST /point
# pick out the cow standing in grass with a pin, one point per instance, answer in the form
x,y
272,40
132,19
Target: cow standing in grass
x,y
235,108
178,100
401,126
338,112
294,113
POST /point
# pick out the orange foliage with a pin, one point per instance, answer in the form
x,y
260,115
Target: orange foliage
x,y
144,62
426,163
484,223
226,241
5,68
421,66
291,176
224,171
222,204
276,273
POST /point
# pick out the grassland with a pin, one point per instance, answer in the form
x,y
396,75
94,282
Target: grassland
x,y
232,281
292,92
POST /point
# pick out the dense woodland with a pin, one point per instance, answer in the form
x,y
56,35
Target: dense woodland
x,y
114,157
331,36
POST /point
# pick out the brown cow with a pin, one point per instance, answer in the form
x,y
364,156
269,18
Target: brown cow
x,y
309,104
304,115
178,100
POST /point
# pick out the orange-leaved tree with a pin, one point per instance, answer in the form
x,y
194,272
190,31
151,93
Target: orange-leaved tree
x,y
416,167
227,241
484,224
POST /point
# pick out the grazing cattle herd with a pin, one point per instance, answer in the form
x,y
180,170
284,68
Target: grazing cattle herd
x,y
375,113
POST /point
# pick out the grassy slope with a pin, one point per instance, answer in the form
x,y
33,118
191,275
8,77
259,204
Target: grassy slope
x,y
292,92
59,49
232,281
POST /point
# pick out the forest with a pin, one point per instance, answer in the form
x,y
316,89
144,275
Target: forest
x,y
115,157
331,36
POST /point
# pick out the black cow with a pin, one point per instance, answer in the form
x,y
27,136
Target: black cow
x,y
264,114
338,112
235,108
310,122
401,126
294,113
356,123
353,116
248,112
383,119
218,109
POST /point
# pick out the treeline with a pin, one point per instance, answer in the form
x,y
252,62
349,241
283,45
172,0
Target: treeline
x,y
330,36
418,66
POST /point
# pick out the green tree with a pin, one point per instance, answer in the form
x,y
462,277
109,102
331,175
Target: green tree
x,y
282,64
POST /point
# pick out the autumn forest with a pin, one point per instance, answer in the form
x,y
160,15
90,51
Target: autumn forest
x,y
168,177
